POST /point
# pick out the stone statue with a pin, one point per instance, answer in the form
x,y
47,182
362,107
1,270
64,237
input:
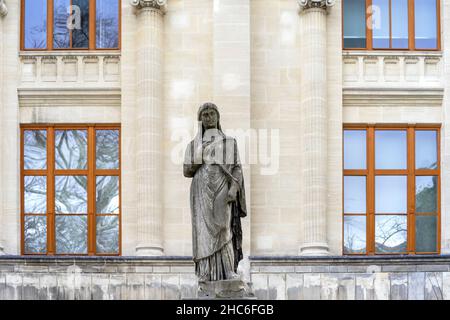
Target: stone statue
x,y
217,199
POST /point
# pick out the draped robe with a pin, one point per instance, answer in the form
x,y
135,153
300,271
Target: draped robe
x,y
216,225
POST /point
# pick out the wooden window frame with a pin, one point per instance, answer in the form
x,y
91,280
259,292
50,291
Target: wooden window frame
x,y
51,172
92,29
411,29
411,172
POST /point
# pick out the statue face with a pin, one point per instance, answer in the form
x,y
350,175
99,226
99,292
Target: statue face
x,y
209,119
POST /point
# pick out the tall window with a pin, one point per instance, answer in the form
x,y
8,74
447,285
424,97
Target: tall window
x,y
391,24
70,182
391,190
70,24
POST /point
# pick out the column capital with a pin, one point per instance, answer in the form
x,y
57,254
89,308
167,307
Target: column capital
x,y
154,4
3,9
321,4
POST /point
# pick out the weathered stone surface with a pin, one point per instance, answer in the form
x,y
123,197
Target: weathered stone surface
x,y
294,286
135,287
311,286
416,286
170,287
100,287
153,287
188,286
382,286
117,286
228,289
365,287
446,285
48,287
14,285
433,286
329,287
346,287
277,286
261,286
399,286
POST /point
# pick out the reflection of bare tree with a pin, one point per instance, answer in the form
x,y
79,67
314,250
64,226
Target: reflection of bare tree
x,y
387,230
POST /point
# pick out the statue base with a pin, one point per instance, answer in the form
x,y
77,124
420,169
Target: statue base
x,y
227,289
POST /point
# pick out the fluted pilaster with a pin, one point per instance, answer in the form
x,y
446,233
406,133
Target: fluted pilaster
x,y
314,127
149,127
3,13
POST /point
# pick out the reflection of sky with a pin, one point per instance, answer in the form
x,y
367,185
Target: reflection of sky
x,y
400,24
390,149
107,23
355,233
354,19
381,23
355,149
35,24
425,24
390,194
355,195
390,230
426,149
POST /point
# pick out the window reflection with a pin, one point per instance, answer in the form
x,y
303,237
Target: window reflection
x,y
80,34
35,31
426,234
71,149
107,191
61,33
390,194
35,236
71,194
355,150
354,23
107,149
426,150
400,24
35,197
426,24
390,234
390,149
108,234
355,195
35,149
381,24
426,194
71,234
107,27
354,235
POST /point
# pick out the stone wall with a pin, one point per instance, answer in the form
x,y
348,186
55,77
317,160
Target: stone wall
x,y
172,278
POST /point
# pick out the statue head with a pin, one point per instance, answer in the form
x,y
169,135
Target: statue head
x,y
209,116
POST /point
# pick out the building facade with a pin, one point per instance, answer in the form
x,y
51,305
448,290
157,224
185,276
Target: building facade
x,y
339,107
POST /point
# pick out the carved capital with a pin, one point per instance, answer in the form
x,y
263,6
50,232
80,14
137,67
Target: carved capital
x,y
321,4
3,8
155,4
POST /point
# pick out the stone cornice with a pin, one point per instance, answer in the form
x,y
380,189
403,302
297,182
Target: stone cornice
x,y
154,4
3,8
321,4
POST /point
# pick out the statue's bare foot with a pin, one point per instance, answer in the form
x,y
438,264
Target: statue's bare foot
x,y
203,278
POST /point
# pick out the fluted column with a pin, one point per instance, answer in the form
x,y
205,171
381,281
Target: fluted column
x,y
3,13
314,125
149,75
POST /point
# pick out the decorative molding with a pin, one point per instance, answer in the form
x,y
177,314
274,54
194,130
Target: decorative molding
x,y
3,8
153,4
320,4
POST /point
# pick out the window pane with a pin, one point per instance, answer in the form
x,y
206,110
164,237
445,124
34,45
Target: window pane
x,y
71,149
390,194
355,149
380,23
354,235
400,24
390,234
71,234
35,195
355,24
426,24
107,149
426,150
80,33
354,194
61,32
426,234
71,194
426,194
107,195
35,149
35,236
107,234
107,28
35,32
390,149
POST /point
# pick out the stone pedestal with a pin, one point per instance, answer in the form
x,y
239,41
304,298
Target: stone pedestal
x,y
227,289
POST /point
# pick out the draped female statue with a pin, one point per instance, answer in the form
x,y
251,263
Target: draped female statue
x,y
217,198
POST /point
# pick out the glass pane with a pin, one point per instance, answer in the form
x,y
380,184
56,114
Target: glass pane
x,y
426,24
80,33
35,236
426,194
35,32
107,190
400,24
71,149
355,149
71,234
354,235
355,24
107,234
390,194
71,194
61,24
426,234
107,28
354,194
390,149
107,149
380,23
390,234
35,149
35,195
426,150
